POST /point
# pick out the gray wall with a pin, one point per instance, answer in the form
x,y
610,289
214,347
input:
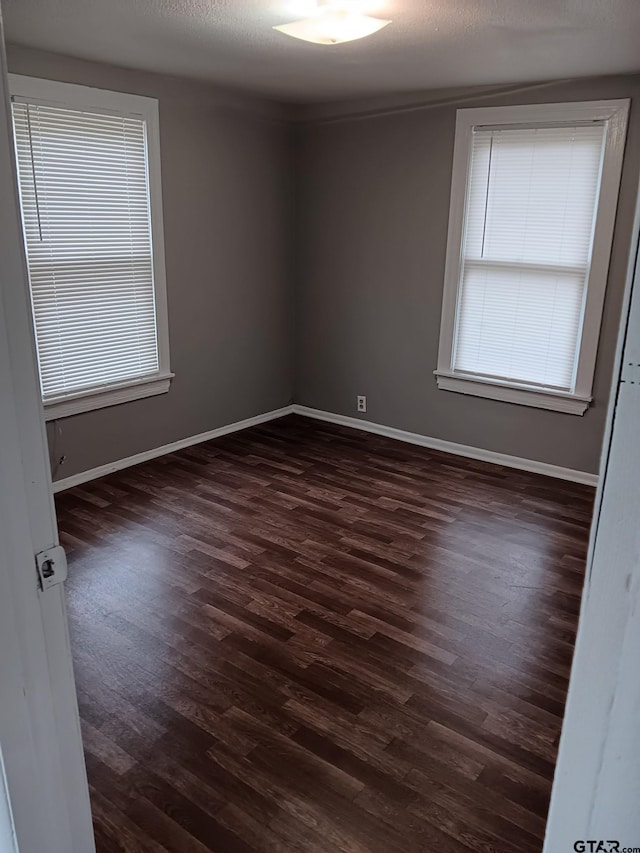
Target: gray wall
x,y
227,201
357,282
372,213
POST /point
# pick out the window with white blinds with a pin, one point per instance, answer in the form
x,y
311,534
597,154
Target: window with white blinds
x,y
527,246
526,239
86,205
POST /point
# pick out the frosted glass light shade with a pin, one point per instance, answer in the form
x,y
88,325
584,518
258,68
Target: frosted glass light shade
x,y
333,27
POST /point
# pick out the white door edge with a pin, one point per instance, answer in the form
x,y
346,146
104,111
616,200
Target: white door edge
x,y
39,724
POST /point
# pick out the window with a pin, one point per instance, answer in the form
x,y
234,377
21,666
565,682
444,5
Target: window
x,y
533,203
89,179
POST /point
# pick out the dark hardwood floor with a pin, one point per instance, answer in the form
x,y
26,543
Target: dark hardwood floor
x,y
305,638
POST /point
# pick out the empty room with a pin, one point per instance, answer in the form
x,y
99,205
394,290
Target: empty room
x,y
320,382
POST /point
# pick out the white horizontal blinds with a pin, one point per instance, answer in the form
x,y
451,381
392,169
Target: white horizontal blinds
x,y
85,206
531,204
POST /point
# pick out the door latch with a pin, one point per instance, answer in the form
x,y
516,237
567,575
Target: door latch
x,y
52,567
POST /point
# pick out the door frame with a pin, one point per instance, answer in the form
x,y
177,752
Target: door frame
x,y
40,739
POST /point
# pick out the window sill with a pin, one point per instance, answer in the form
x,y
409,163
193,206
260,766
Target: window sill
x,y
572,404
111,395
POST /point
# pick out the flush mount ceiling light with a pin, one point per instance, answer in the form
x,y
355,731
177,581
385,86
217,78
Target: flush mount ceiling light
x,y
333,22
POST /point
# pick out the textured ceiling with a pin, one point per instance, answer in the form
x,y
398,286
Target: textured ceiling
x,y
431,43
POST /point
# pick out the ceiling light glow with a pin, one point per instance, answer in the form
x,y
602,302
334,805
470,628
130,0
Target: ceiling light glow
x,y
308,8
334,22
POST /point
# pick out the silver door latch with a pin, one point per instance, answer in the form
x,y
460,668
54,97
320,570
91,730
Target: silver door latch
x,y
52,566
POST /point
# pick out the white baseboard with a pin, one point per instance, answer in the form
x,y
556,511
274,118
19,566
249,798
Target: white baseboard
x,y
450,447
355,423
111,467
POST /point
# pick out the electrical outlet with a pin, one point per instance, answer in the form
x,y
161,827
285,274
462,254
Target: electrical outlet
x,y
362,404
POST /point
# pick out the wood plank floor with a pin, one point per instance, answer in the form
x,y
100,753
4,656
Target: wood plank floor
x,y
306,638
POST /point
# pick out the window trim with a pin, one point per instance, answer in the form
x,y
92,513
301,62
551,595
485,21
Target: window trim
x,y
55,93
615,112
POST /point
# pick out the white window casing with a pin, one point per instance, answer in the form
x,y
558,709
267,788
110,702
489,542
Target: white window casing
x,y
90,191
533,202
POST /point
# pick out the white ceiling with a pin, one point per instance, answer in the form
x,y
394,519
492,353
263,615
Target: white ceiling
x,y
431,44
